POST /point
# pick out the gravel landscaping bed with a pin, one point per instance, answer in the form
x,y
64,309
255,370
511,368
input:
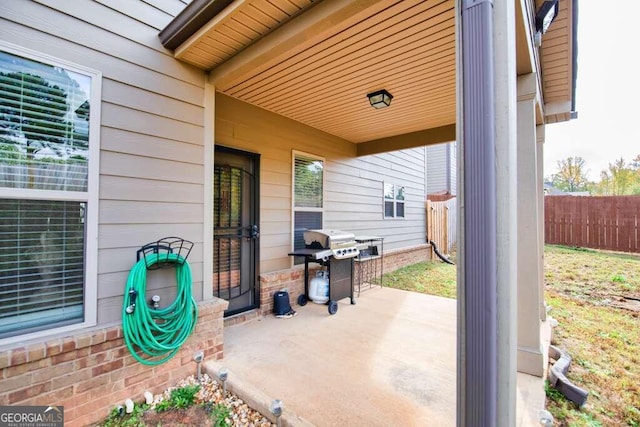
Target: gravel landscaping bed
x,y
210,407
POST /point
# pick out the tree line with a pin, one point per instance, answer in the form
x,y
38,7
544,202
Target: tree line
x,y
619,179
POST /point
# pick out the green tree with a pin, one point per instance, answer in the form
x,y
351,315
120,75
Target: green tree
x,y
620,178
571,175
34,112
32,108
635,171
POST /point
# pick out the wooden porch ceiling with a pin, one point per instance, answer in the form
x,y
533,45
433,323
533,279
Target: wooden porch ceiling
x,y
315,61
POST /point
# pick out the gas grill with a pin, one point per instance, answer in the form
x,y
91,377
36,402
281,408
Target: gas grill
x,y
334,249
334,243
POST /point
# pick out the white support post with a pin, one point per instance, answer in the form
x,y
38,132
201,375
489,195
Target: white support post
x,y
530,360
504,38
540,162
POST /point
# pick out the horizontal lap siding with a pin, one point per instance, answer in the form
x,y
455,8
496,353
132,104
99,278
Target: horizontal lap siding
x,y
353,186
437,168
152,154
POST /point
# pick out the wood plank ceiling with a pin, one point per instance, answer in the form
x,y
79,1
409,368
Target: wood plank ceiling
x,y
404,46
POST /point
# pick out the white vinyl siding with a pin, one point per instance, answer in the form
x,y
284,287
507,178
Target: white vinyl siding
x,y
152,130
453,167
49,151
441,168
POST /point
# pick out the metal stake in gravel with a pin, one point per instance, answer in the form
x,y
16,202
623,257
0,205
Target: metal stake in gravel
x,y
276,409
223,374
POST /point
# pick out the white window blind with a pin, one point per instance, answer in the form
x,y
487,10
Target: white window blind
x,y
41,263
308,181
45,112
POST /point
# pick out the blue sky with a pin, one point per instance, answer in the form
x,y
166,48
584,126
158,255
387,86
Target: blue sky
x,y
608,90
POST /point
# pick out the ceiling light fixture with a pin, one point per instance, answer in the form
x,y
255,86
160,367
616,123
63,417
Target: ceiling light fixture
x,y
380,98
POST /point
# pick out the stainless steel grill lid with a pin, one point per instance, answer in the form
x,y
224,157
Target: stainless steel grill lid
x,y
342,244
329,239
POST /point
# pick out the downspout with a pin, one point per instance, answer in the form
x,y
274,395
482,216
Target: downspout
x,y
477,377
574,59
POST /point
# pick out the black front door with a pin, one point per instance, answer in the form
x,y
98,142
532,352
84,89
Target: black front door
x,y
236,229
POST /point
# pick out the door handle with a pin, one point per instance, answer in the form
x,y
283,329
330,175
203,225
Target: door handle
x,y
255,232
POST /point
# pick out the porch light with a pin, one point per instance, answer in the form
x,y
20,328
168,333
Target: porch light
x,y
546,14
380,98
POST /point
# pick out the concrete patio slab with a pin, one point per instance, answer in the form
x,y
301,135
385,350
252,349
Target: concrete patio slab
x,y
389,360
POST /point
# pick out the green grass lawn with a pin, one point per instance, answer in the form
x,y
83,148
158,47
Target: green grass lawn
x,y
598,327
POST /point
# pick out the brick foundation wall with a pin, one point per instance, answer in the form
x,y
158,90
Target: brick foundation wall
x,y
291,280
92,372
398,258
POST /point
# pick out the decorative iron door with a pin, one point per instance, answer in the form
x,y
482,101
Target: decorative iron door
x,y
236,229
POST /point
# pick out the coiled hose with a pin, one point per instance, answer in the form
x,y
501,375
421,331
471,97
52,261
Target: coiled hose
x,y
159,333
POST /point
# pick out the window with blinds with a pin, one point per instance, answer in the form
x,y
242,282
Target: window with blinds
x,y
45,117
308,196
393,201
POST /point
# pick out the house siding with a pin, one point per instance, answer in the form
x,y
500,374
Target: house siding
x,y
437,163
152,126
353,187
151,186
453,168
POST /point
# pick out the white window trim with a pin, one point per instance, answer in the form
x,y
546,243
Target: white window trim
x,y
295,153
91,197
395,201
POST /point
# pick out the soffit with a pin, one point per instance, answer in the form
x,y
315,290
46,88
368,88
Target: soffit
x,y
556,63
321,75
406,47
240,24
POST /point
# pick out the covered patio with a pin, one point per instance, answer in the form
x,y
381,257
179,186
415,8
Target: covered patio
x,y
384,361
486,74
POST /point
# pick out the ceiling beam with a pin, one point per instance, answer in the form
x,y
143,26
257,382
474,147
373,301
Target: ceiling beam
x,y
408,140
318,23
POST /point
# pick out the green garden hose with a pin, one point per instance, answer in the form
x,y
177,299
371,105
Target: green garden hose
x,y
159,333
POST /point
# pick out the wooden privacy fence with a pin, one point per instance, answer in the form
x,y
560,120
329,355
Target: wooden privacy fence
x,y
441,224
605,222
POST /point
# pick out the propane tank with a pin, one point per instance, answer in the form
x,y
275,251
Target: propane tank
x,y
319,287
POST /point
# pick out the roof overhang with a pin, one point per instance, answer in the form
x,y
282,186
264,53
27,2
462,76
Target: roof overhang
x,y
315,61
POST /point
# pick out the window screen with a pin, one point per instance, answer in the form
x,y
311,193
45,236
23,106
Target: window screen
x,y
44,156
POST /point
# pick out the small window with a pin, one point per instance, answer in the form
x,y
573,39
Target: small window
x,y
308,196
393,201
49,128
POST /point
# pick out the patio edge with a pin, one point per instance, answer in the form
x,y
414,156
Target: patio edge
x,y
254,397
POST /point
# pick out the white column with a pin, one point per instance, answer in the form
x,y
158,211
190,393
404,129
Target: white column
x,y
540,162
504,37
530,358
